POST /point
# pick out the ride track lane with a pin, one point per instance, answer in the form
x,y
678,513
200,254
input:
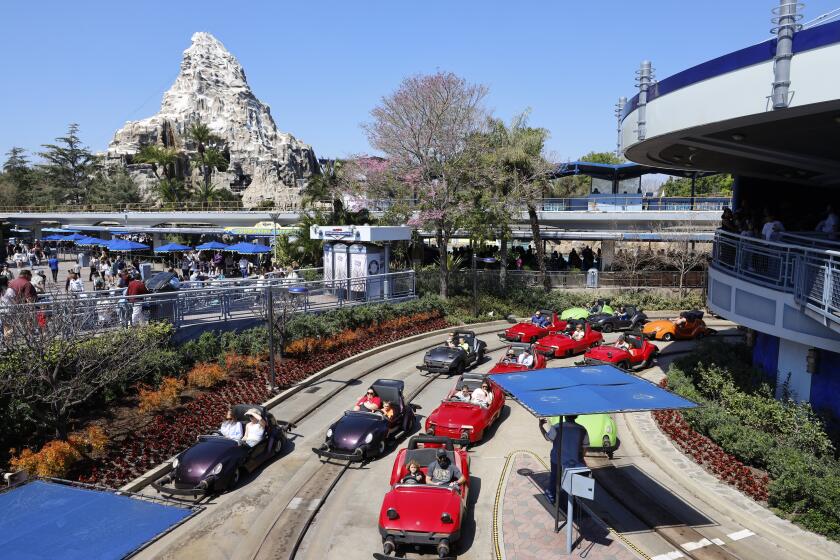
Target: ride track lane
x,y
233,523
287,532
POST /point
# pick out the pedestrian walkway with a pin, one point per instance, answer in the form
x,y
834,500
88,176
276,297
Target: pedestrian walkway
x,y
524,523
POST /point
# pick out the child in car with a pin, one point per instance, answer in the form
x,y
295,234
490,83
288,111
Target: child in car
x,y
414,475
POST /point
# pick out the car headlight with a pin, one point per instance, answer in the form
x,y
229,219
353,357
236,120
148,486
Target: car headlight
x,y
608,429
217,469
431,430
369,438
175,463
329,432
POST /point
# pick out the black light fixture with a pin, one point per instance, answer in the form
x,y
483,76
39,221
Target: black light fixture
x,y
812,361
392,513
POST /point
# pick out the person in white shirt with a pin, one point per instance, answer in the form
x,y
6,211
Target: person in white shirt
x,y
579,332
831,221
525,359
483,395
76,285
463,396
230,428
255,429
244,267
772,228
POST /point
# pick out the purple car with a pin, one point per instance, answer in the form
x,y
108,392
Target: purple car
x,y
361,435
215,463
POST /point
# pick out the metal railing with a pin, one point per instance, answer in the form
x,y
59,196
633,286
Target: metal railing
x,y
222,301
810,273
603,203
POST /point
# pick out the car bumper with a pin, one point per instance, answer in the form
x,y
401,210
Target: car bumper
x,y
435,369
166,486
419,537
356,456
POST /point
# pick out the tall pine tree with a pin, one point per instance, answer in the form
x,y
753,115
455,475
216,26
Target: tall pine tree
x,y
69,168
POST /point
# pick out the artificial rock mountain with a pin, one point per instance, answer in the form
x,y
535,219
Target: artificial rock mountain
x,y
265,164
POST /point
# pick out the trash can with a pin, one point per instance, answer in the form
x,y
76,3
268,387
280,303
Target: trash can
x,y
145,271
84,260
162,307
592,278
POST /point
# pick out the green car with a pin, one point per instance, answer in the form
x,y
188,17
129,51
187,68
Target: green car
x,y
578,313
600,428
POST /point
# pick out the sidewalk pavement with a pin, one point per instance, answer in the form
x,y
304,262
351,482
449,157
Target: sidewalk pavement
x,y
526,528
722,497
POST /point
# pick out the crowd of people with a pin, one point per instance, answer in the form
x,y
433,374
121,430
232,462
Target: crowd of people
x,y
522,259
770,224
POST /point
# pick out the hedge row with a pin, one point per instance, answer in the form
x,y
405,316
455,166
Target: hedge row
x,y
783,437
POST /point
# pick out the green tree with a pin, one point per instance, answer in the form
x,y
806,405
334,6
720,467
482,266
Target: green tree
x,y
115,188
209,158
720,184
19,177
69,167
162,159
578,185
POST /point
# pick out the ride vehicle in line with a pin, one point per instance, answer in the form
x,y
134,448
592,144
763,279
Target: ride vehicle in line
x,y
361,434
690,325
631,319
509,362
579,313
466,420
428,515
641,354
449,359
562,344
215,463
528,331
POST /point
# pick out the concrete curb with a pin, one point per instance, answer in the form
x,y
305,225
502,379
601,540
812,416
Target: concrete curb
x,y
156,472
749,521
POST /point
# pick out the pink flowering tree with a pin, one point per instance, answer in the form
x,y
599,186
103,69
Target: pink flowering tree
x,y
423,128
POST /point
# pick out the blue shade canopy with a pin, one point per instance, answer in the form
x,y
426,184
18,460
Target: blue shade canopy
x,y
249,248
212,246
172,248
586,390
125,245
58,230
48,520
55,237
90,241
75,237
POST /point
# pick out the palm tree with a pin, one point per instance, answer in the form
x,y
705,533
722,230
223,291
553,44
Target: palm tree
x,y
160,158
324,186
208,158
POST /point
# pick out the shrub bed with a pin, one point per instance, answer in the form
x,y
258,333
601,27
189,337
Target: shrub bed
x,y
173,430
742,426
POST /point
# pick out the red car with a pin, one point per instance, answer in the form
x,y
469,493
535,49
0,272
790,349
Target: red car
x,y
642,353
424,514
529,332
509,366
465,420
562,344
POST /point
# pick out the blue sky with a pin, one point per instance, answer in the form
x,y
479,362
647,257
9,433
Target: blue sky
x,y
322,66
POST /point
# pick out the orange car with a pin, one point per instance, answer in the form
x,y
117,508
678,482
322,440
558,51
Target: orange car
x,y
689,325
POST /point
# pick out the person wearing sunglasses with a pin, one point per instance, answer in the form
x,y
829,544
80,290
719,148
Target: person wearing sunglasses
x,y
483,395
370,401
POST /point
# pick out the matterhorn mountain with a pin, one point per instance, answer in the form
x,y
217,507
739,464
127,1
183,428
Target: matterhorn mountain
x,y
211,88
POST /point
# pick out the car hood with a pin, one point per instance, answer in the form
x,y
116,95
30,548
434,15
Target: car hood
x,y
597,317
507,368
203,456
662,324
558,340
420,507
607,354
350,431
456,414
524,328
444,354
575,313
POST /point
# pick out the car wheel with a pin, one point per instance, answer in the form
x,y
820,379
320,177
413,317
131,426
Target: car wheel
x,y
608,449
234,480
381,449
625,365
278,445
647,363
607,327
668,337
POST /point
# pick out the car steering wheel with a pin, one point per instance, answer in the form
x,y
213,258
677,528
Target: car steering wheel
x,y
409,480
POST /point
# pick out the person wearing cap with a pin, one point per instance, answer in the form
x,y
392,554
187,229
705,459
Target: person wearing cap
x,y
254,430
443,473
622,343
510,356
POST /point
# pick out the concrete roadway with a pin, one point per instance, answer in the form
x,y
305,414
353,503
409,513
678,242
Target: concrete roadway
x,y
235,524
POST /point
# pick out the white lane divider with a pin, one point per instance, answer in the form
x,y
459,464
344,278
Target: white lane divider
x,y
295,503
740,535
313,504
673,555
689,546
718,542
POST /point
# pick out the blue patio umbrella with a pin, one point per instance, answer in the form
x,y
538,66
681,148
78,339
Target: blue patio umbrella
x,y
172,248
249,248
76,237
85,240
125,245
212,246
55,237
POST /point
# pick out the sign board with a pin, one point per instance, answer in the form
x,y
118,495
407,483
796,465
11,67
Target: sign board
x,y
360,233
577,482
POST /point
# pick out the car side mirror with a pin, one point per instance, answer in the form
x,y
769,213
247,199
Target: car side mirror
x,y
415,406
